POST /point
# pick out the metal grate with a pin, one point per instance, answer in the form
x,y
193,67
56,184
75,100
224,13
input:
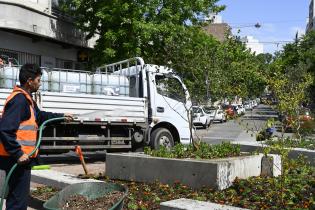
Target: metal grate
x,y
18,58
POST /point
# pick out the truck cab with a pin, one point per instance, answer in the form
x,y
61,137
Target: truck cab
x,y
170,104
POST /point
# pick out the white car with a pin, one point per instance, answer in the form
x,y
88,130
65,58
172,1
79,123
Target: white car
x,y
215,114
248,105
241,108
237,108
200,118
254,102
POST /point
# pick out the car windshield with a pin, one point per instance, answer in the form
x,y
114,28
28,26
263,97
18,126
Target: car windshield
x,y
196,110
209,110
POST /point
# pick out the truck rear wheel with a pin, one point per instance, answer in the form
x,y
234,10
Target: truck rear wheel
x,y
161,137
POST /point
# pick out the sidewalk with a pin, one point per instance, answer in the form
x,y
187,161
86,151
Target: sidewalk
x,y
247,136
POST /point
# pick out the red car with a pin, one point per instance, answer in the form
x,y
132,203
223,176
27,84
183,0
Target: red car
x,y
229,110
303,117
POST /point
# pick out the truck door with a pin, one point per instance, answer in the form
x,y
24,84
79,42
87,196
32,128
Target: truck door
x,y
170,103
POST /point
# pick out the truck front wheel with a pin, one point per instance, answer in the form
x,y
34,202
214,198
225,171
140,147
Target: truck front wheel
x,y
161,137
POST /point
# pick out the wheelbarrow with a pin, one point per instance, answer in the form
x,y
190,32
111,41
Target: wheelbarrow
x,y
91,190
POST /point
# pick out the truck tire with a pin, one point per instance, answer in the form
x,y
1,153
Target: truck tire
x,y
161,136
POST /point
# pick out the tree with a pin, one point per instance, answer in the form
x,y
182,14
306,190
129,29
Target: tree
x,y
291,76
129,28
169,32
307,56
215,69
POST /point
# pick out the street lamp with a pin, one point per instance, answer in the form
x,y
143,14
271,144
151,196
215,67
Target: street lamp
x,y
257,25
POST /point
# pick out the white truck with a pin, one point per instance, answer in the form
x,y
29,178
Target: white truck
x,y
124,105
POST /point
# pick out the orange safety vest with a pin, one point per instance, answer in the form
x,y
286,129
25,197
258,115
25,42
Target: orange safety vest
x,y
26,135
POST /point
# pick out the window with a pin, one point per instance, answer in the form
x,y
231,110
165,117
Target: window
x,y
18,58
170,87
64,64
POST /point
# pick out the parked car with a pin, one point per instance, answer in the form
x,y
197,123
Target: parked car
x,y
248,105
229,110
238,109
258,100
241,108
254,103
216,114
303,118
200,118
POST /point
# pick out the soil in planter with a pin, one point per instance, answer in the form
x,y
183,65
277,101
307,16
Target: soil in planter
x,y
43,193
78,202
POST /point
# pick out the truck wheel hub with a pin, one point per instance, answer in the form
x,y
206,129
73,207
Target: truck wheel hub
x,y
164,141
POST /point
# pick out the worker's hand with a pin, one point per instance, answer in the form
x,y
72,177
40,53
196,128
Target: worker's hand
x,y
68,116
23,159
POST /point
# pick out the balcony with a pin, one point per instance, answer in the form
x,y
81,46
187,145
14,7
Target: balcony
x,y
37,18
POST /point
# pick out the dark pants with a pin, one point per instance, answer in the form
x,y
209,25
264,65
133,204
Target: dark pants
x,y
19,184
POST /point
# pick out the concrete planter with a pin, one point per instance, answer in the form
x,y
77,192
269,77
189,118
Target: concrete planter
x,y
215,173
293,153
188,204
57,179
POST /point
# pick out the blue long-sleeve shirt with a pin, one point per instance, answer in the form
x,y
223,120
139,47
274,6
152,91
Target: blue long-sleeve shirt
x,y
16,111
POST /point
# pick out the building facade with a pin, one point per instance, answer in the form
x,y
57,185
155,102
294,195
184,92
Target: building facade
x,y
310,24
219,30
36,31
217,27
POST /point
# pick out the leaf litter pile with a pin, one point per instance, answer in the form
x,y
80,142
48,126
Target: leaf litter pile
x,y
78,202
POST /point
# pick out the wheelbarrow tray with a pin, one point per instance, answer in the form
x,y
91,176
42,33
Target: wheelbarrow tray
x,y
91,190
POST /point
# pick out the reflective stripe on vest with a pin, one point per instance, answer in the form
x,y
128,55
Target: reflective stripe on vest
x,y
27,127
27,143
26,135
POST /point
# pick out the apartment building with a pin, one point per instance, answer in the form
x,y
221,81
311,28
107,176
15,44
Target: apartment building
x,y
310,24
36,31
217,27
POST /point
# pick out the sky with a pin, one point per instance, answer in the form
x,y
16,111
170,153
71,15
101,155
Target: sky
x,y
279,20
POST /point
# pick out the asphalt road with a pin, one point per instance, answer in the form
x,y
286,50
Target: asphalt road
x,y
241,129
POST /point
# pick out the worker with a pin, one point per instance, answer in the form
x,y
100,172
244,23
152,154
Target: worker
x,y
21,118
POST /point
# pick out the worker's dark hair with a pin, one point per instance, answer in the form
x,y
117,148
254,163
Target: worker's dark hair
x,y
29,71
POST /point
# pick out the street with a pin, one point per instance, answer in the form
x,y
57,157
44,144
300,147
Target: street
x,y
241,129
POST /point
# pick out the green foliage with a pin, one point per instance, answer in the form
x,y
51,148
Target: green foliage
x,y
291,79
253,193
213,69
203,151
293,143
135,28
307,128
170,33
